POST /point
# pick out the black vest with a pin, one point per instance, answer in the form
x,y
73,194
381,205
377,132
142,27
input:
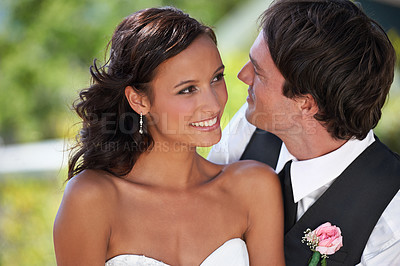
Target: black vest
x,y
354,202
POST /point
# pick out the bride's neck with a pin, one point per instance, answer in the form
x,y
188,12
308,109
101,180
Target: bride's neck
x,y
175,168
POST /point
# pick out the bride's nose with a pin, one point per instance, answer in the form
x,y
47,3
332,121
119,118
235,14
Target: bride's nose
x,y
211,101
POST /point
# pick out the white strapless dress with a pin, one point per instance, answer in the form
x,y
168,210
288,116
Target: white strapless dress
x,y
232,253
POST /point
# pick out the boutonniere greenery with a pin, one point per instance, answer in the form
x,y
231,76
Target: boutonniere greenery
x,y
323,241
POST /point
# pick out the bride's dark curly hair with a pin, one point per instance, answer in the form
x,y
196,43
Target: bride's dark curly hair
x,y
109,139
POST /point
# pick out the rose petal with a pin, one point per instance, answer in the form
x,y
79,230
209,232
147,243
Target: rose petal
x,y
326,242
330,238
338,242
326,250
323,225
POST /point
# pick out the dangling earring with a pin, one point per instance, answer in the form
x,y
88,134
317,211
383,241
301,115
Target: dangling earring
x,y
141,123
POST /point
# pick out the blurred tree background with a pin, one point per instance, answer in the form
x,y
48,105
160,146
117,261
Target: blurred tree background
x,y
46,48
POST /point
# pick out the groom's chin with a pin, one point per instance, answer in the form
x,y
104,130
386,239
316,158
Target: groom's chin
x,y
250,117
258,119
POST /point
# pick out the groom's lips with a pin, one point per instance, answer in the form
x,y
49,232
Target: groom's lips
x,y
250,95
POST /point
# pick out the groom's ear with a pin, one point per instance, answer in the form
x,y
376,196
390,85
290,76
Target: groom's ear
x,y
139,102
308,106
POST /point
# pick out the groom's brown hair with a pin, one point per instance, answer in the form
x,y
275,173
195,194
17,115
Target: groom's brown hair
x,y
333,51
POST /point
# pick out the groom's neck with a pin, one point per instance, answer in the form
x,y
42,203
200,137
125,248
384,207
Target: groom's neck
x,y
311,144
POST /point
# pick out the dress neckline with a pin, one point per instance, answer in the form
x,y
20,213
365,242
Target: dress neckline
x,y
157,262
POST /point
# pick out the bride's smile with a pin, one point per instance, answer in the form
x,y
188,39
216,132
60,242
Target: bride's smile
x,y
189,95
207,124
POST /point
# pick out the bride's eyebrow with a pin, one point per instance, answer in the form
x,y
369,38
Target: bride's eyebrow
x,y
192,80
218,69
184,82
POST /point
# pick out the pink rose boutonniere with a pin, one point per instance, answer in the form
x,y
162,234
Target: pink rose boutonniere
x,y
324,241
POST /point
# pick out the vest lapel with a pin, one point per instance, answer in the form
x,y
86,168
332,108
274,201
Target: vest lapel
x,y
354,202
263,147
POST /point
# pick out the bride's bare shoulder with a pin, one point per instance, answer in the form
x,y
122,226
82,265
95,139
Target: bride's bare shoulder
x,y
90,187
248,175
84,219
250,169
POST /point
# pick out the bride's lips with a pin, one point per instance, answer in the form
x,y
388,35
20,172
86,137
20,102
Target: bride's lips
x,y
208,124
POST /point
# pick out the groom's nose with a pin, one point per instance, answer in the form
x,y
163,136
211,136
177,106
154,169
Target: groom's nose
x,y
246,74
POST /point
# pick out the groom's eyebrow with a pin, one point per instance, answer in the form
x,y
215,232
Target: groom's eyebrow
x,y
255,64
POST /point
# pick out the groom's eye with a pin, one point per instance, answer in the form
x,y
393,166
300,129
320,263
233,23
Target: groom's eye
x,y
255,71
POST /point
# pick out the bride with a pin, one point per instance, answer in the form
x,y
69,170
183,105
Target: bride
x,y
138,193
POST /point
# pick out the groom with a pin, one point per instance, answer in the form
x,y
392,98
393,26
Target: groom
x,y
318,75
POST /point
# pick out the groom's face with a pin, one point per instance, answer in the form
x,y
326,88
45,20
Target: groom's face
x,y
268,108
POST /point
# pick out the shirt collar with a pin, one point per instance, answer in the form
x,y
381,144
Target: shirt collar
x,y
310,175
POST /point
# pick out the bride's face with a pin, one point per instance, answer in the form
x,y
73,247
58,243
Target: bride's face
x,y
189,97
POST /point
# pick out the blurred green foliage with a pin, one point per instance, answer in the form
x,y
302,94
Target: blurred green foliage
x,y
28,205
388,129
46,48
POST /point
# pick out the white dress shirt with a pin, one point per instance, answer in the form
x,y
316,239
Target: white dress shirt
x,y
311,178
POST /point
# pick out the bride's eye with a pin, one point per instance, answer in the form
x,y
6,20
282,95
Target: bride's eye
x,y
218,77
188,90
